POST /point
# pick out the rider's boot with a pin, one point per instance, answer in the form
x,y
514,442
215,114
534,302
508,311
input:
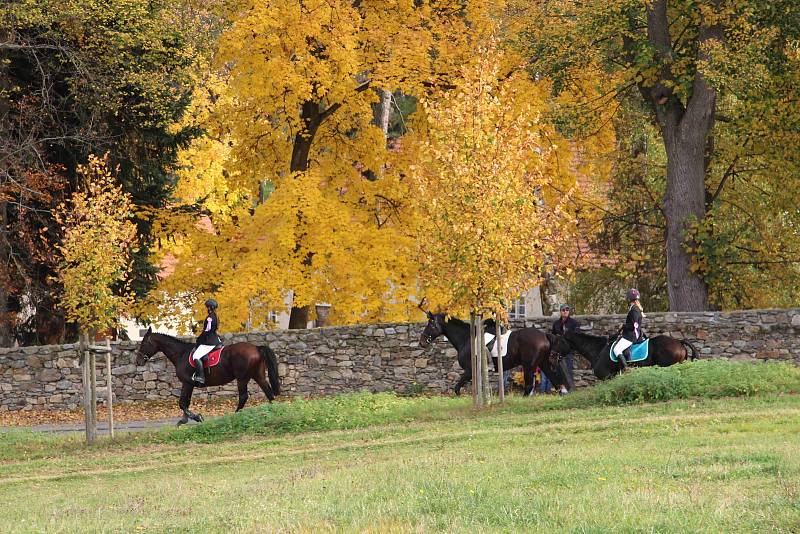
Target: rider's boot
x,y
624,358
199,377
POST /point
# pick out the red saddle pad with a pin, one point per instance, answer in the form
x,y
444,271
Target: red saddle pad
x,y
213,358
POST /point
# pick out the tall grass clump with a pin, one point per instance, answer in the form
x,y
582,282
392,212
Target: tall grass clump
x,y
336,412
703,378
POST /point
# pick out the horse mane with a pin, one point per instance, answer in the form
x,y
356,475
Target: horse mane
x,y
458,322
590,337
171,338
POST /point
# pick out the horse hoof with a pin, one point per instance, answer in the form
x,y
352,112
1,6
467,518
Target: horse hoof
x,y
198,418
182,421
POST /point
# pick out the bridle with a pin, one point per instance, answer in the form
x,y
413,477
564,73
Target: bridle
x,y
144,357
429,338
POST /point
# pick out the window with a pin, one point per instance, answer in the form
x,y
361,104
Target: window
x,y
517,310
272,317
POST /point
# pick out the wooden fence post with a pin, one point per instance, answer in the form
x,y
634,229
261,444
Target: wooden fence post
x,y
486,385
110,388
89,392
473,359
501,390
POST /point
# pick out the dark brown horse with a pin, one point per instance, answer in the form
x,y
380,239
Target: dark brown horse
x,y
240,361
527,347
662,351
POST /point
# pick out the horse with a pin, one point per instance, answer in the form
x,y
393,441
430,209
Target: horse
x,y
240,361
527,347
662,351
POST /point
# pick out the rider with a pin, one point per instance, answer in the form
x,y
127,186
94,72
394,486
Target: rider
x,y
207,340
632,330
565,323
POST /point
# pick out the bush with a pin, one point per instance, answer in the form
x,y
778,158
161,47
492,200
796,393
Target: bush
x,y
336,412
702,378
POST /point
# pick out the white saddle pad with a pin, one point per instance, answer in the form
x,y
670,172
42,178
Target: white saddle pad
x,y
503,345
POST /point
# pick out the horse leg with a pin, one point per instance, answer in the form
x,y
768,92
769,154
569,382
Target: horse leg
x,y
242,383
527,372
261,380
465,377
184,401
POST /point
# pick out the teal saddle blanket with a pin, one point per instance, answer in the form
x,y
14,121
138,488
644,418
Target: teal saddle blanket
x,y
638,351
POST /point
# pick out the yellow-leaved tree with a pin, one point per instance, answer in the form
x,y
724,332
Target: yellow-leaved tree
x,y
95,264
96,250
490,217
489,214
295,108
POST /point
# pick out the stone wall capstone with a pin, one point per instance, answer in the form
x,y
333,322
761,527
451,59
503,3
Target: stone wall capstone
x,y
380,357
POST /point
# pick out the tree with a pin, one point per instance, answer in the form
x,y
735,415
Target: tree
x,y
489,216
80,77
684,61
299,113
95,264
96,252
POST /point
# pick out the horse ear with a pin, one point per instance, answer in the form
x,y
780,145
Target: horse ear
x,y
149,331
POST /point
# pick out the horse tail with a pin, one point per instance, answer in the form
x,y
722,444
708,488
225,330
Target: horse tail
x,y
688,344
271,361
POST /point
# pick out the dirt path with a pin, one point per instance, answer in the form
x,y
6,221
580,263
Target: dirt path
x,y
138,415
102,427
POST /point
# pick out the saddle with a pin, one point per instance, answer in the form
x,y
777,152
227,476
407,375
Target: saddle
x,y
209,360
639,351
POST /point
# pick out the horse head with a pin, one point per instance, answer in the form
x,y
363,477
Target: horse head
x,y
559,345
433,329
147,348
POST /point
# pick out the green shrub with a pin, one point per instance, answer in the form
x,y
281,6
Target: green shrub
x,y
335,412
702,378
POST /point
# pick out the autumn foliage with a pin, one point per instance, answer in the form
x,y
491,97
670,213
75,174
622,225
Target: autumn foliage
x,y
488,215
96,250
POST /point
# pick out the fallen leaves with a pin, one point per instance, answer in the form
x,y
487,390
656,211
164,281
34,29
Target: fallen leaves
x,y
142,411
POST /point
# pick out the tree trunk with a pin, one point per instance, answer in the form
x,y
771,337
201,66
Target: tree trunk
x,y
684,200
5,317
386,108
685,129
298,318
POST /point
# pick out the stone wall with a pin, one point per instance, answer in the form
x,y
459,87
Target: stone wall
x,y
378,357
318,361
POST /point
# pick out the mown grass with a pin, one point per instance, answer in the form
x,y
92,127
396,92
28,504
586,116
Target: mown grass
x,y
380,463
727,465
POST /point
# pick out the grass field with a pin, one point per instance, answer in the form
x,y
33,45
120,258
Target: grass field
x,y
425,465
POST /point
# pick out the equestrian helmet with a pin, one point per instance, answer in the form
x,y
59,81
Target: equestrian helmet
x,y
632,294
211,303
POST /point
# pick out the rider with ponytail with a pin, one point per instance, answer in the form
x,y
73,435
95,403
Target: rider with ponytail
x,y
631,330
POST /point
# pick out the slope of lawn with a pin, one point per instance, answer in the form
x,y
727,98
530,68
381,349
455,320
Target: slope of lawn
x,y
699,379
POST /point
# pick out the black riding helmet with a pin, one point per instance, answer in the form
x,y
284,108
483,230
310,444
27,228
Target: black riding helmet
x,y
632,294
211,303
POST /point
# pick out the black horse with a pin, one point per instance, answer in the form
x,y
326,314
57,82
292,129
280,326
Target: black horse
x,y
663,351
527,347
240,361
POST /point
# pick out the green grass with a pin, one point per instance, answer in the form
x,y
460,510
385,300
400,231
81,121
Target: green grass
x,y
700,379
381,463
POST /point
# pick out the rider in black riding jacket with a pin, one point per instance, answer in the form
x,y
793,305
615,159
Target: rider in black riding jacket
x,y
632,329
206,341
